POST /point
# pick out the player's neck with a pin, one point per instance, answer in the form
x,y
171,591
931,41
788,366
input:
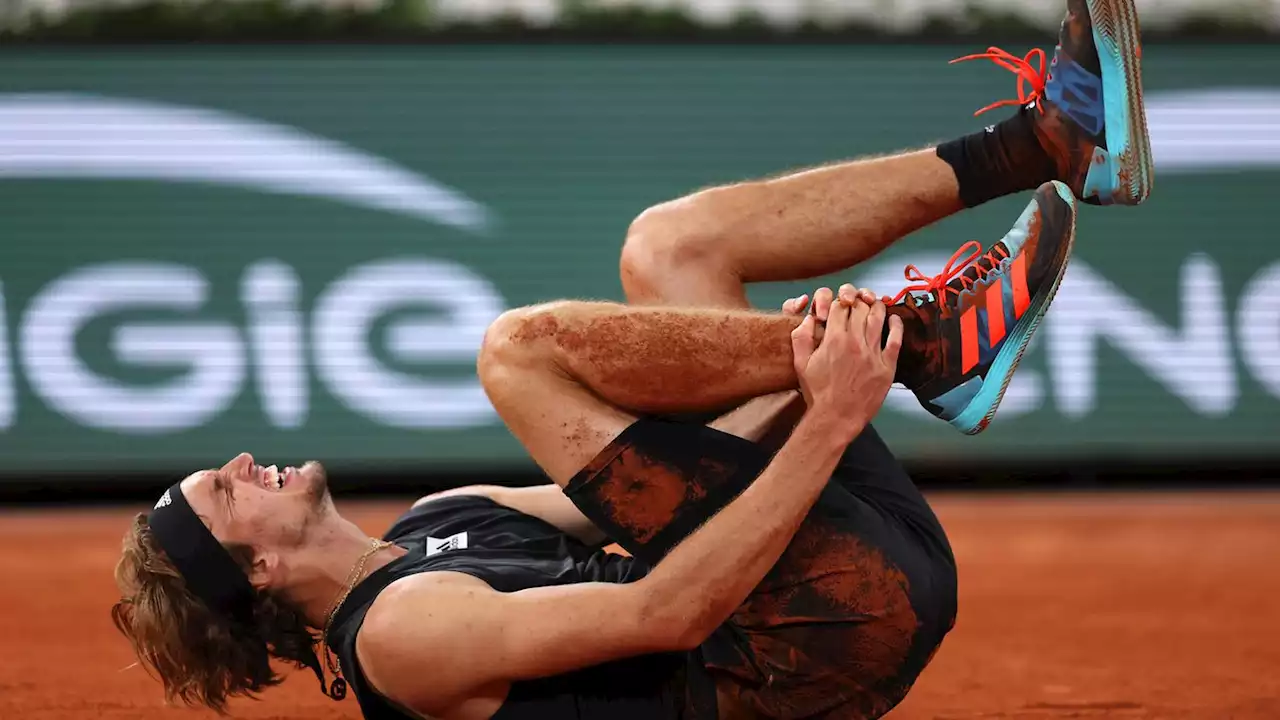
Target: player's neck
x,y
325,568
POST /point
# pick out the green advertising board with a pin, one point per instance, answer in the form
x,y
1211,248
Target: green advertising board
x,y
295,251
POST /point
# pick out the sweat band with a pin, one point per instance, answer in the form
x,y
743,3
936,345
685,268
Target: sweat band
x,y
208,569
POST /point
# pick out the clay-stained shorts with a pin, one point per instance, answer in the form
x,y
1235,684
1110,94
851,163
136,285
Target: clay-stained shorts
x,y
848,617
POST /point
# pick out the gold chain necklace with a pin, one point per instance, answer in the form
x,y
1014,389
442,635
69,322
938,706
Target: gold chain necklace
x,y
338,689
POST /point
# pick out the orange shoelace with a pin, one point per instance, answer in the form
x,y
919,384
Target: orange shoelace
x,y
961,259
1020,66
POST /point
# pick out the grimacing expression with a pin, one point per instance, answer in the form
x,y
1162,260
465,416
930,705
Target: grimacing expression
x,y
245,503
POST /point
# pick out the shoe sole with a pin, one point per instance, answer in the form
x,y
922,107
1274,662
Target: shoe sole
x,y
987,401
1117,36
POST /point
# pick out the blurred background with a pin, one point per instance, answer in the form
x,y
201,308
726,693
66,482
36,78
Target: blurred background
x,y
283,225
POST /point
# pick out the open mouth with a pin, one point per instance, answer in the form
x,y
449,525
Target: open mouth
x,y
274,478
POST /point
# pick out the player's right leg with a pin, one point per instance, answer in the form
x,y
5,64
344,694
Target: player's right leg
x,y
968,326
567,377
574,381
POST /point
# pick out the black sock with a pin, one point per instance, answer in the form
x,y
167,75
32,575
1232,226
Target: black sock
x,y
993,164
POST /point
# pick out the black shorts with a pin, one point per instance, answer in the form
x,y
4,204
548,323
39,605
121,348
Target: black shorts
x,y
853,610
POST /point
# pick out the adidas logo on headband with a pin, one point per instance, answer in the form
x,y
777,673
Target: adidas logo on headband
x,y
164,501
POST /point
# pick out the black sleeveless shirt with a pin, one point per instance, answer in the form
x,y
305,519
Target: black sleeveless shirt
x,y
512,551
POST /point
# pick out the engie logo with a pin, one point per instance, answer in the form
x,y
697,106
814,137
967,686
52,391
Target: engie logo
x,y
207,363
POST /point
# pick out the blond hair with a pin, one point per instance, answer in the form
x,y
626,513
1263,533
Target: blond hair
x,y
201,657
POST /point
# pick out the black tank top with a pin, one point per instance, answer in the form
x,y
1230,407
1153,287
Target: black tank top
x,y
512,551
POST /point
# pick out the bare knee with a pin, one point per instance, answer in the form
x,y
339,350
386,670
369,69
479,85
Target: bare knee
x,y
518,338
666,245
527,340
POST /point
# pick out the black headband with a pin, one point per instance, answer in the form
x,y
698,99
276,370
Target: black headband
x,y
208,569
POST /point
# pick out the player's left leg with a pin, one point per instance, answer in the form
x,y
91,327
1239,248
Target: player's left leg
x,y
1082,122
703,248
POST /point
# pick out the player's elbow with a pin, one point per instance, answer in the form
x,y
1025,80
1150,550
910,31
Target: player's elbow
x,y
692,636
670,621
664,243
690,631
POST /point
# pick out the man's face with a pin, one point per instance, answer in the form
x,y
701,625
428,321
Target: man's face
x,y
268,508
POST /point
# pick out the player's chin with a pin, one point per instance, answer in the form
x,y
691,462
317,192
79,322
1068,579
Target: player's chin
x,y
317,481
313,471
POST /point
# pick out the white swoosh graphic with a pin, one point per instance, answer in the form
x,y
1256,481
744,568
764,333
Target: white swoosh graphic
x,y
1221,129
83,136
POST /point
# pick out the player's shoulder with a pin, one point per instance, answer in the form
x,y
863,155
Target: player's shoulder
x,y
419,599
419,621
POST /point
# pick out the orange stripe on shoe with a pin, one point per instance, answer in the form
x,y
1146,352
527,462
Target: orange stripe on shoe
x,y
968,339
995,313
1021,298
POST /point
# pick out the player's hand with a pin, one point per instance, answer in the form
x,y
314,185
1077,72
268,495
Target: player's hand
x,y
822,299
820,308
796,305
848,376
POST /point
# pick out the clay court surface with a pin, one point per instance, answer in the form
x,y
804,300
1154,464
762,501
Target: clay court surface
x,y
1072,606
